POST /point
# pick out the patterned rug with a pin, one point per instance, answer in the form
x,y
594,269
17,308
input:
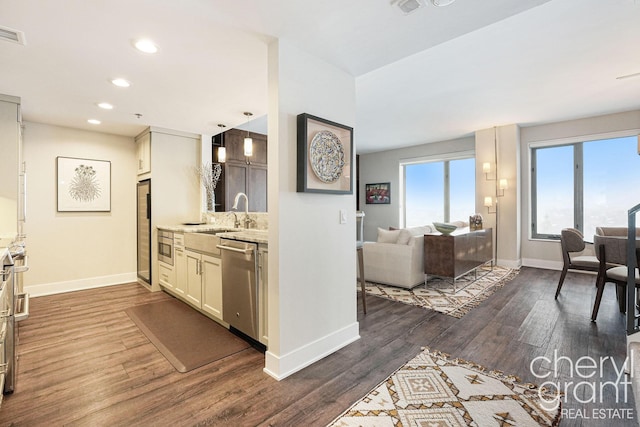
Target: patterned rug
x,y
438,294
435,390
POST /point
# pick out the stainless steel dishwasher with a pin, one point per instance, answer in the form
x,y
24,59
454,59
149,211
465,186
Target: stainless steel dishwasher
x,y
240,285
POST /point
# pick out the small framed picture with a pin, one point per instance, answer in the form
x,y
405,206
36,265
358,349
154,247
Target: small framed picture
x,y
378,194
325,156
83,185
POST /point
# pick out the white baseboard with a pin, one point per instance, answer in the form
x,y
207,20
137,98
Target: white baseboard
x,y
280,367
541,263
78,285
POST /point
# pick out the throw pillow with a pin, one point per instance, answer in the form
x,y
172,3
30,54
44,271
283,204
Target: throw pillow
x,y
407,233
404,237
387,236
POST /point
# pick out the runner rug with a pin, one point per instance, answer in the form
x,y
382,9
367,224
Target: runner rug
x,y
433,389
438,294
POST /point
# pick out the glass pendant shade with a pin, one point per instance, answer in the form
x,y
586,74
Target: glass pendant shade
x,y
222,154
248,147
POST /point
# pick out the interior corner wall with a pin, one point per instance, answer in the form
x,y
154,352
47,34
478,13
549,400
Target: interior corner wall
x,y
500,147
384,166
312,256
77,250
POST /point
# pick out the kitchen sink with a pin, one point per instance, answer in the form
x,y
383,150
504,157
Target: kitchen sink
x,y
203,241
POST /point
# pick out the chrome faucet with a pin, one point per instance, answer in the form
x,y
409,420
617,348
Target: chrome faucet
x,y
236,223
247,220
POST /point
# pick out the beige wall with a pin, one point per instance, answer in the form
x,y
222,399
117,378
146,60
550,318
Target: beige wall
x,y
74,250
500,147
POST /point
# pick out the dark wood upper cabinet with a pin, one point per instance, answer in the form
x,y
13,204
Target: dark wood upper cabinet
x,y
242,174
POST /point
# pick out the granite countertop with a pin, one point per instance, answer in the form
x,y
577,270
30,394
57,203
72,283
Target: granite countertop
x,y
250,235
195,228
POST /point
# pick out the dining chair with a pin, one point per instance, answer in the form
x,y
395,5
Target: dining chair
x,y
572,241
613,250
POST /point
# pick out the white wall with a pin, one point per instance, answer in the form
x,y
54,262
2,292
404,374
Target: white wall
x,y
74,250
312,257
547,254
384,166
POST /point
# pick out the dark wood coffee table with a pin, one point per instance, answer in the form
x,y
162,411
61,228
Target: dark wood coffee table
x,y
457,254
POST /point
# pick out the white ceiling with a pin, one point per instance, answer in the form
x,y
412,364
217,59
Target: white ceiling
x,y
436,74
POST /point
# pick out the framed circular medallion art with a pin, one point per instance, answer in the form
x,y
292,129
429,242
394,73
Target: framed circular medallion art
x,y
325,153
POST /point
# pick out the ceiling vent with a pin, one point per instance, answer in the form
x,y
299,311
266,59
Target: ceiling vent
x,y
407,6
442,3
11,35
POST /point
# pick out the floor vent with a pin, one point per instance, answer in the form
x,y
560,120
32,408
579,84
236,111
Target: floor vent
x,y
10,35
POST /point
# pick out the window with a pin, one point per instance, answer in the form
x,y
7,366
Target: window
x,y
583,185
440,191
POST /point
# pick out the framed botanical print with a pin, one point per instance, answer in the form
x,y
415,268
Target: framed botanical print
x,y
83,185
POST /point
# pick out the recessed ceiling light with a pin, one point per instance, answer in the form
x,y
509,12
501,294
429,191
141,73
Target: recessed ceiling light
x,y
146,46
121,82
105,105
94,121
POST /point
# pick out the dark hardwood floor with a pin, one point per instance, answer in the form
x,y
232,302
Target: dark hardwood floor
x,y
84,362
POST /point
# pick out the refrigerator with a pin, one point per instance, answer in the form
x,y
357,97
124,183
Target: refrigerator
x,y
144,230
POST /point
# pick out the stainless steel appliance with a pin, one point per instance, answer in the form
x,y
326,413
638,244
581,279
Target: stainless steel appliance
x,y
7,326
144,230
14,307
165,246
240,286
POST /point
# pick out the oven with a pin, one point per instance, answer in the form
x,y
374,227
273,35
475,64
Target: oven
x,y
165,246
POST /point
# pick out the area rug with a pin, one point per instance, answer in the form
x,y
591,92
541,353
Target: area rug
x,y
438,294
185,337
433,389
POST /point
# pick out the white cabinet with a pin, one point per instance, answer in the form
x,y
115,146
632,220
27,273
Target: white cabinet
x,y
11,200
143,153
263,293
180,263
167,275
212,286
204,282
194,278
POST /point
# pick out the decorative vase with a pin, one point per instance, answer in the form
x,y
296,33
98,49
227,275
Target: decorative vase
x,y
211,202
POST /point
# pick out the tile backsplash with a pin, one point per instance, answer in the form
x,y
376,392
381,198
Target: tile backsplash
x,y
259,220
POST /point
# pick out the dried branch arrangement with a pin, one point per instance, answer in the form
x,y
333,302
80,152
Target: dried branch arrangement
x,y
209,174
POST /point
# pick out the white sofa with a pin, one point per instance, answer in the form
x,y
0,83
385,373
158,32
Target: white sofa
x,y
397,257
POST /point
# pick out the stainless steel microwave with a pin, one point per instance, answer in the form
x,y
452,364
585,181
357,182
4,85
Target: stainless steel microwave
x,y
165,246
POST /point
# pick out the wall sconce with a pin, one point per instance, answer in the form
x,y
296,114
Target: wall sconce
x,y
248,141
503,184
486,168
222,150
488,202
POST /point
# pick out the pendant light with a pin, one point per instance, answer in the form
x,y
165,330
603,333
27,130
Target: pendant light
x,y
248,141
222,151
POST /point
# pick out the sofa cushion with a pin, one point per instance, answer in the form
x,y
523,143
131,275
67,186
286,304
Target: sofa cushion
x,y
407,233
388,236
